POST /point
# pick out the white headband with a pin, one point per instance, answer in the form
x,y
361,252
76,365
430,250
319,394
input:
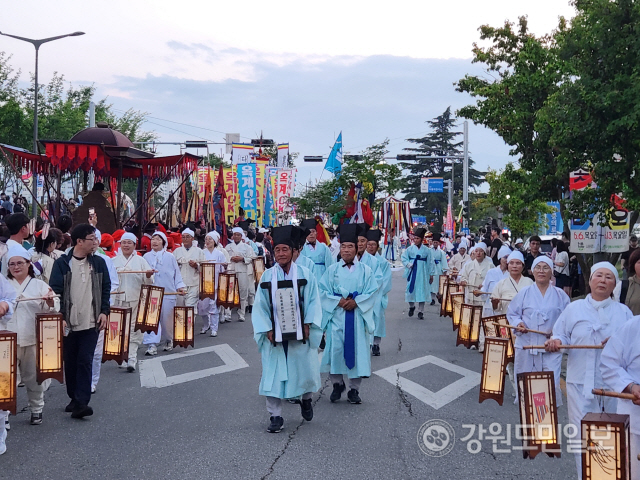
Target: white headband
x,y
504,251
214,235
129,236
482,246
515,255
542,259
237,230
188,231
594,269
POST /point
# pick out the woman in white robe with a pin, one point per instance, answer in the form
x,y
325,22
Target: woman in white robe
x,y
538,307
207,307
590,321
21,275
166,275
620,369
473,275
505,290
490,281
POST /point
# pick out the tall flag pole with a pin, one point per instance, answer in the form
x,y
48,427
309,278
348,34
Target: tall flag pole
x,y
334,162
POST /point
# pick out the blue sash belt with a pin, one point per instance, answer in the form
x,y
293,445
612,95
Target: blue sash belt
x,y
349,334
414,273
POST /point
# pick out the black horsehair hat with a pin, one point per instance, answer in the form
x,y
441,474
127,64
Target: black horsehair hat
x,y
286,235
350,232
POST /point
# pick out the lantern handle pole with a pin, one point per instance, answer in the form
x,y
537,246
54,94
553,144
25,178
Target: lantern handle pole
x,y
577,347
29,299
606,393
526,330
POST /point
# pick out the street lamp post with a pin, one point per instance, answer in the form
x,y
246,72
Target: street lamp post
x,y
36,44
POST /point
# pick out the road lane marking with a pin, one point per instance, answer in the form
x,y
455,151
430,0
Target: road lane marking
x,y
152,374
434,399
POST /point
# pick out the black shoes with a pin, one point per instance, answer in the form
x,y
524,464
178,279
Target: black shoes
x,y
36,419
306,409
249,309
131,368
82,411
353,397
375,350
420,315
433,302
411,310
276,425
338,388
69,408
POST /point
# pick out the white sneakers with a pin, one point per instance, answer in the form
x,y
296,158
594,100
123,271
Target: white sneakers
x,y
168,346
214,334
3,440
151,351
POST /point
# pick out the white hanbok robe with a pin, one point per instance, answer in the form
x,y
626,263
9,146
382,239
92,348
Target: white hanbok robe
x,y
422,269
190,275
320,255
581,324
507,288
167,276
46,262
537,312
97,353
392,250
490,281
339,282
474,274
295,371
130,285
243,271
620,366
305,262
458,261
207,307
439,259
8,294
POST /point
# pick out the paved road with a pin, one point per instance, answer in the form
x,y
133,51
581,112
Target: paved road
x,y
215,426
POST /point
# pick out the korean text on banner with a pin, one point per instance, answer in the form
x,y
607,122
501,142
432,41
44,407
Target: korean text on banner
x,y
241,153
283,191
260,192
231,189
585,234
272,194
247,189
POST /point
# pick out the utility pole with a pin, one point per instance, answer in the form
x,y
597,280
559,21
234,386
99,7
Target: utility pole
x,y
465,172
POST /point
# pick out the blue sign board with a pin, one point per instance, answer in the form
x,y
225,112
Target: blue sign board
x,y
431,185
554,222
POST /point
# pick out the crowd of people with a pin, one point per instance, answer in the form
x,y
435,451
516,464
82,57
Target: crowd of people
x,y
328,295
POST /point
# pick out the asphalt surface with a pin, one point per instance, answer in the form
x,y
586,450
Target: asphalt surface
x,y
215,426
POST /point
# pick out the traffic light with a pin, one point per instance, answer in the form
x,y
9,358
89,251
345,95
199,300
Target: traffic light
x,y
465,209
406,157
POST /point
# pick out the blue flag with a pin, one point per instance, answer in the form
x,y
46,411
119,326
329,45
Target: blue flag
x,y
334,162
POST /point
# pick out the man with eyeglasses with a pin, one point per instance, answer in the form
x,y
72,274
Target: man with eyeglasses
x,y
81,279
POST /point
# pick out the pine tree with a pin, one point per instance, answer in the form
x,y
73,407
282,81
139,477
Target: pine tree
x,y
441,141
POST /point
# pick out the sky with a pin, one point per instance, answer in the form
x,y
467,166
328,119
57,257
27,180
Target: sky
x,y
299,72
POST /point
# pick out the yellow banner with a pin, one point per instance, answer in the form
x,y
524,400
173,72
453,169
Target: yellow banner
x,y
231,189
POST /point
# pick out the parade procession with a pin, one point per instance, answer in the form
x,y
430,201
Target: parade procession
x,y
415,260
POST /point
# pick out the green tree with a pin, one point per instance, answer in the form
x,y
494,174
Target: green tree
x,y
272,152
440,142
520,210
324,197
524,72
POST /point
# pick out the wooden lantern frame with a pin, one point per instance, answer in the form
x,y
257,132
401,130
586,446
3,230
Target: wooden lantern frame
x,y
537,395
602,435
148,319
8,367
469,328
183,326
457,300
445,295
49,341
258,269
448,306
120,341
442,280
504,332
228,281
494,365
207,281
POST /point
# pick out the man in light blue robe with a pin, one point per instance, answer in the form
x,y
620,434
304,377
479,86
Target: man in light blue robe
x,y
348,294
418,270
316,251
383,277
439,265
290,367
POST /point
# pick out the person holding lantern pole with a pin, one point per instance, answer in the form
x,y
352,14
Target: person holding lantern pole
x,y
130,284
166,275
7,301
590,321
207,307
620,369
22,278
241,255
287,325
418,270
189,257
348,294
